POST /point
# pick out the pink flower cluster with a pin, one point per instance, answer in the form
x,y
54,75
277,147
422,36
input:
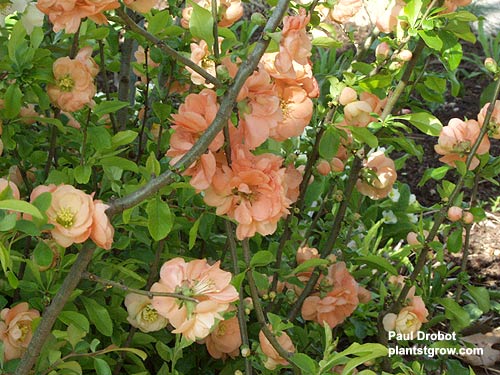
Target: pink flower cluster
x,y
337,296
76,216
377,176
275,102
229,11
207,284
16,329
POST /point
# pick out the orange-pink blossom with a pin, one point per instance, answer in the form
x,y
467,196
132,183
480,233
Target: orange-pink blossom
x,y
208,284
377,176
494,123
16,329
102,231
273,359
456,140
225,339
344,10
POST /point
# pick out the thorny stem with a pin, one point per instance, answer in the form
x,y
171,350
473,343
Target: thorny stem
x,y
217,125
54,309
258,308
165,48
241,307
108,284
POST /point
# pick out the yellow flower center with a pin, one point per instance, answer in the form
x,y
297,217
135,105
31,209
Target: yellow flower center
x,y
66,83
65,217
149,314
24,327
285,108
462,147
203,286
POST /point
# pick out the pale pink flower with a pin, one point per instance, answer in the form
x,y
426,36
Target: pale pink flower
x,y
387,20
208,284
494,124
344,10
273,358
347,95
292,181
323,167
378,176
67,14
358,113
229,12
14,190
294,40
16,329
71,212
200,56
102,231
225,339
142,314
456,140
452,5
305,253
141,6
140,58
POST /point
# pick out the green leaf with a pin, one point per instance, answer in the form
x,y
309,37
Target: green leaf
x,y
123,138
454,241
329,144
21,206
425,122
122,163
42,202
152,164
13,101
201,24
326,42
69,367
261,258
481,296
364,135
43,255
238,279
99,137
305,363
101,367
98,315
160,219
377,262
162,110
193,232
432,39
309,264
82,174
8,222
108,107
455,313
74,318
12,279
75,335
435,174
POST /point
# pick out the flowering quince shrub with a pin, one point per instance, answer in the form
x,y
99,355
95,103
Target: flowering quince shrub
x,y
188,190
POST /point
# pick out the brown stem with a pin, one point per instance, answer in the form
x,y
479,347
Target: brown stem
x,y
52,150
166,48
54,309
125,83
146,108
104,74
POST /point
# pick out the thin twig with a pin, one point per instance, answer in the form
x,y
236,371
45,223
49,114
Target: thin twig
x,y
104,74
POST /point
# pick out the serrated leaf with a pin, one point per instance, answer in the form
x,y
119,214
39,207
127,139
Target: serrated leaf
x,y
160,219
261,258
99,315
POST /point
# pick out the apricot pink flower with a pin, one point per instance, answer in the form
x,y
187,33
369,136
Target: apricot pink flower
x,y
452,5
344,10
410,318
378,176
252,191
305,253
200,56
208,284
225,339
273,358
296,109
15,329
141,6
387,20
102,231
193,118
339,302
71,212
67,14
229,12
456,140
142,315
140,58
74,81
259,108
494,124
294,40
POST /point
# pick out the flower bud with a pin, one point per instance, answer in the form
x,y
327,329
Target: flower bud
x,y
382,51
491,65
323,167
222,73
454,213
272,296
348,95
405,55
258,19
467,218
412,238
337,165
245,351
238,372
